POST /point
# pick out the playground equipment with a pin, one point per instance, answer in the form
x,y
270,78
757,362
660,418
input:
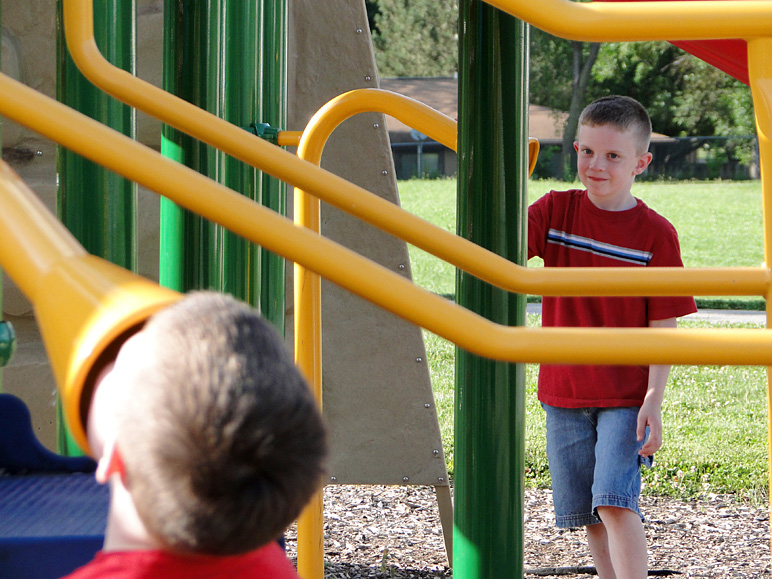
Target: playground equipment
x,y
477,552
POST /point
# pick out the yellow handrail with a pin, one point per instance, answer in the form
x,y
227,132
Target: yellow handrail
x,y
494,269
361,276
631,21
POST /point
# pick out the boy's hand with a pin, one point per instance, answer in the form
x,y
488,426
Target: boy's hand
x,y
650,415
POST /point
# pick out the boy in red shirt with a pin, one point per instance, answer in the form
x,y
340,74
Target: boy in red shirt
x,y
603,422
212,444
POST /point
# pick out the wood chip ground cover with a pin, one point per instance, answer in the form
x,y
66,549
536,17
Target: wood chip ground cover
x,y
385,532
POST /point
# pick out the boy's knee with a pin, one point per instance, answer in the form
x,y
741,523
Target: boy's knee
x,y
610,514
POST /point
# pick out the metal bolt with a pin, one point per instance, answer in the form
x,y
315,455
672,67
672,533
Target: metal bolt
x,y
384,172
427,405
359,31
419,360
376,125
436,452
368,78
405,479
401,266
333,478
441,479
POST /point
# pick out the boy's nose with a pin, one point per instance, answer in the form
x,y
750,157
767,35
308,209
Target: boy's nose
x,y
597,164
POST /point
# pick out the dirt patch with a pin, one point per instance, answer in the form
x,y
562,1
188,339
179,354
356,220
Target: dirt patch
x,y
394,533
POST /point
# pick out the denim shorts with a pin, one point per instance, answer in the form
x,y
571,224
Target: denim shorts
x,y
594,462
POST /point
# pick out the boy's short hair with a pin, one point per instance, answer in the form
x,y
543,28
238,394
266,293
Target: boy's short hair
x,y
222,441
622,112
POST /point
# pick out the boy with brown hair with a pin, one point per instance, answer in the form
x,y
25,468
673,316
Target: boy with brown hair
x,y
603,422
211,441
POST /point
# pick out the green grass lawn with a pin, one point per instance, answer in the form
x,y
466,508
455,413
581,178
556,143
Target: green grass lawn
x,y
715,417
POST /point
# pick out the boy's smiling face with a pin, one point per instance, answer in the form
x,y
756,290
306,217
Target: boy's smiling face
x,y
608,160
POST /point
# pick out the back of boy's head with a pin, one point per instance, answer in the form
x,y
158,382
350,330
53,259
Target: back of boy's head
x,y
223,443
621,112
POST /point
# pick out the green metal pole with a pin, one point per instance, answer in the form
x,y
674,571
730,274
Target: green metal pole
x,y
187,61
212,52
96,205
240,76
492,212
274,109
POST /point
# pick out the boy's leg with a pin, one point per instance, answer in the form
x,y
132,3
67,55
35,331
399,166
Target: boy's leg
x,y
597,538
616,489
626,542
571,441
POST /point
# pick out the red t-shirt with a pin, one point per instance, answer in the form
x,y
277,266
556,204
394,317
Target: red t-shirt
x,y
268,562
566,229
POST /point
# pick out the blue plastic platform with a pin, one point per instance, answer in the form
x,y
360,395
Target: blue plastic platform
x,y
50,524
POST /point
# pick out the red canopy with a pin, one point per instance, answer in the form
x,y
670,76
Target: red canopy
x,y
731,55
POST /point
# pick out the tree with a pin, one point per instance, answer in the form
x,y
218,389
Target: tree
x,y
550,70
372,11
416,37
584,56
560,78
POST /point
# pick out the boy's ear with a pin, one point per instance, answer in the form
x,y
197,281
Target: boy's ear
x,y
643,162
110,463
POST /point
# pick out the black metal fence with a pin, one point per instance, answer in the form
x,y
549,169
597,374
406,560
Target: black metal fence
x,y
699,158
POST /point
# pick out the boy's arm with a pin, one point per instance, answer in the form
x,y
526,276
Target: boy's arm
x,y
538,223
650,413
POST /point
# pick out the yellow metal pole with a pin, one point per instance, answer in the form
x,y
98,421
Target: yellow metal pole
x,y
33,241
631,21
308,356
760,73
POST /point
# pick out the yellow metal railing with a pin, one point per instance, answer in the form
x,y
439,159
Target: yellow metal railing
x,y
494,269
631,21
357,274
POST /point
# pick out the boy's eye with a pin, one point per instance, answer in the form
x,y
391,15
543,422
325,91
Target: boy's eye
x,y
587,151
613,156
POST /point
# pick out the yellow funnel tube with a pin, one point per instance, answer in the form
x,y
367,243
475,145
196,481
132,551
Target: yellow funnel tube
x,y
85,306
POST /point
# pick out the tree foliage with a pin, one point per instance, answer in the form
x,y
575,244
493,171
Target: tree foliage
x,y
416,37
372,11
684,95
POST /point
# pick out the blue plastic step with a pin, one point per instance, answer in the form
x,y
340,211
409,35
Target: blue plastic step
x,y
50,524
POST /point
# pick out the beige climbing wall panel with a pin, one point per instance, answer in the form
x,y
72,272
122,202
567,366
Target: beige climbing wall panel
x,y
376,386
